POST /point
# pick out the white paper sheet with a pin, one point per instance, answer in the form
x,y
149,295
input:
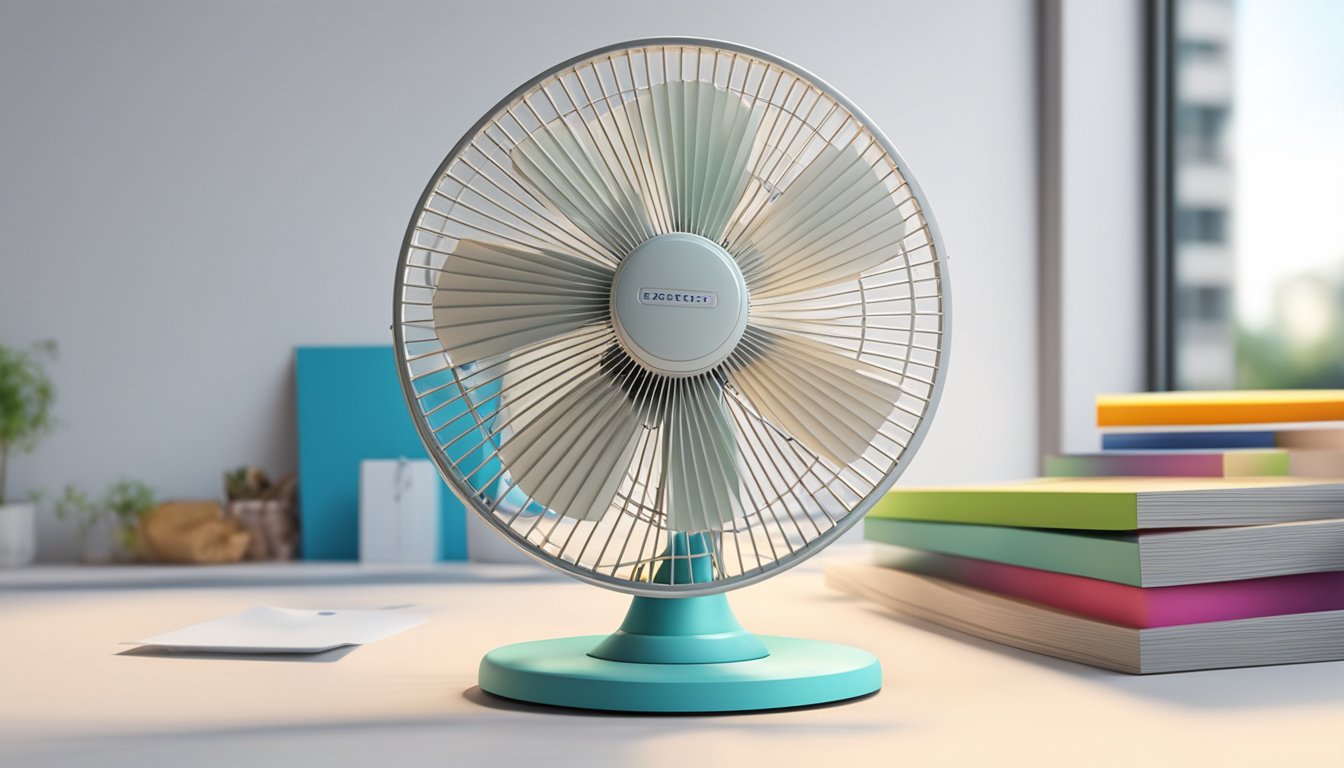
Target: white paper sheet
x,y
264,629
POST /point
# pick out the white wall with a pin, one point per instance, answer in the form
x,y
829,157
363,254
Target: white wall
x,y
190,189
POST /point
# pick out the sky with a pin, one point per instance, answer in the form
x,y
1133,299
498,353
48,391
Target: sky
x,y
1288,145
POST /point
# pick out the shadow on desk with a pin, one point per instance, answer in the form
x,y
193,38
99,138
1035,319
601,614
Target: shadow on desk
x,y
485,735
1214,689
480,698
158,652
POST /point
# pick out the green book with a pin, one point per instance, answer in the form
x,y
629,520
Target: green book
x,y
1141,559
1229,463
1121,503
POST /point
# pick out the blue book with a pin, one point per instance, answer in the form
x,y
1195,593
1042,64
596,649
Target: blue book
x,y
1169,441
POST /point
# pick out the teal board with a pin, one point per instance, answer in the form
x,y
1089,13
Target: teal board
x,y
351,408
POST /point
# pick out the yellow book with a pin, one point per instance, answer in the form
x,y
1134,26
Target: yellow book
x,y
1153,409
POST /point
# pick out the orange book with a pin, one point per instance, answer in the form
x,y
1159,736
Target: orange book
x,y
1153,409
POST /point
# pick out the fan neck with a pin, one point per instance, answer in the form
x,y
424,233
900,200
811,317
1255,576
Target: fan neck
x,y
688,559
680,630
684,630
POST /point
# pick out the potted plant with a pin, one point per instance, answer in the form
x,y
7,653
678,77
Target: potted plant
x,y
266,511
108,527
26,396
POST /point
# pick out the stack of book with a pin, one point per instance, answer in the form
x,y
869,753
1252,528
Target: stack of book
x,y
1208,533
1215,434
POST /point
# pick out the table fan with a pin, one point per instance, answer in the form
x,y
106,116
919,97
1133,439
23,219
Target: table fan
x,y
671,318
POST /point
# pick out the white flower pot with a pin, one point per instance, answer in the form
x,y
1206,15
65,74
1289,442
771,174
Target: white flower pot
x,y
18,535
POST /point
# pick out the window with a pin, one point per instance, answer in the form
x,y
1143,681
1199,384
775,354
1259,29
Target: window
x,y
1201,225
1200,132
1191,49
1204,304
1249,178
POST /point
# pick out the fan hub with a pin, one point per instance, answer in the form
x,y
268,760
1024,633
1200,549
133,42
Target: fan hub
x,y
679,304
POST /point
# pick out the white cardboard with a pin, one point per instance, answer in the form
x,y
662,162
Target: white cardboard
x,y
399,511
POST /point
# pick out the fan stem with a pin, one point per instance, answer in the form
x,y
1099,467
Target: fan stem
x,y
681,630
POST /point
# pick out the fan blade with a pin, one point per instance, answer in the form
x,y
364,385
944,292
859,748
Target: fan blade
x,y
492,299
830,403
572,432
531,381
838,315
698,142
714,140
702,139
581,175
700,454
838,219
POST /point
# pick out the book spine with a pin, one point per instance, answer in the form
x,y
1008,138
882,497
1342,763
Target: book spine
x,y
1249,463
1189,408
1150,441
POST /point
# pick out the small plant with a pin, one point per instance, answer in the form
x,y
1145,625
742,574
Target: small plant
x,y
246,483
252,483
128,501
125,502
74,504
26,397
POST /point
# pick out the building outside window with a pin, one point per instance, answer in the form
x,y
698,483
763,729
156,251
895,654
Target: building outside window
x,y
1256,205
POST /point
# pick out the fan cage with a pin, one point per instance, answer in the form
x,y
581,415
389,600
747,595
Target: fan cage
x,y
894,316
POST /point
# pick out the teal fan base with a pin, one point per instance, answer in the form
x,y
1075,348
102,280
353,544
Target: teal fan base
x,y
680,655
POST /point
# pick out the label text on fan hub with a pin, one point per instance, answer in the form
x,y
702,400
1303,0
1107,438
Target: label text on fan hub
x,y
677,297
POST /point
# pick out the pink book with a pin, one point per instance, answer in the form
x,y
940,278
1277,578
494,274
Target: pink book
x,y
1127,605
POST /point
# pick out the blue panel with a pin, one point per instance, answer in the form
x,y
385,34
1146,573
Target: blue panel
x,y
465,446
1158,441
351,408
475,450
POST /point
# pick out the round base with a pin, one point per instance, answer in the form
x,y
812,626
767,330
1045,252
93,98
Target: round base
x,y
796,673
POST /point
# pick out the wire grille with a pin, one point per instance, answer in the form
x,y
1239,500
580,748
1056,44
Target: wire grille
x,y
547,428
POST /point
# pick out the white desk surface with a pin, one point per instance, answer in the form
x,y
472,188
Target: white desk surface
x,y
67,698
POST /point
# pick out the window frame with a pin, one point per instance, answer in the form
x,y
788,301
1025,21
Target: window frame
x,y
1159,55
